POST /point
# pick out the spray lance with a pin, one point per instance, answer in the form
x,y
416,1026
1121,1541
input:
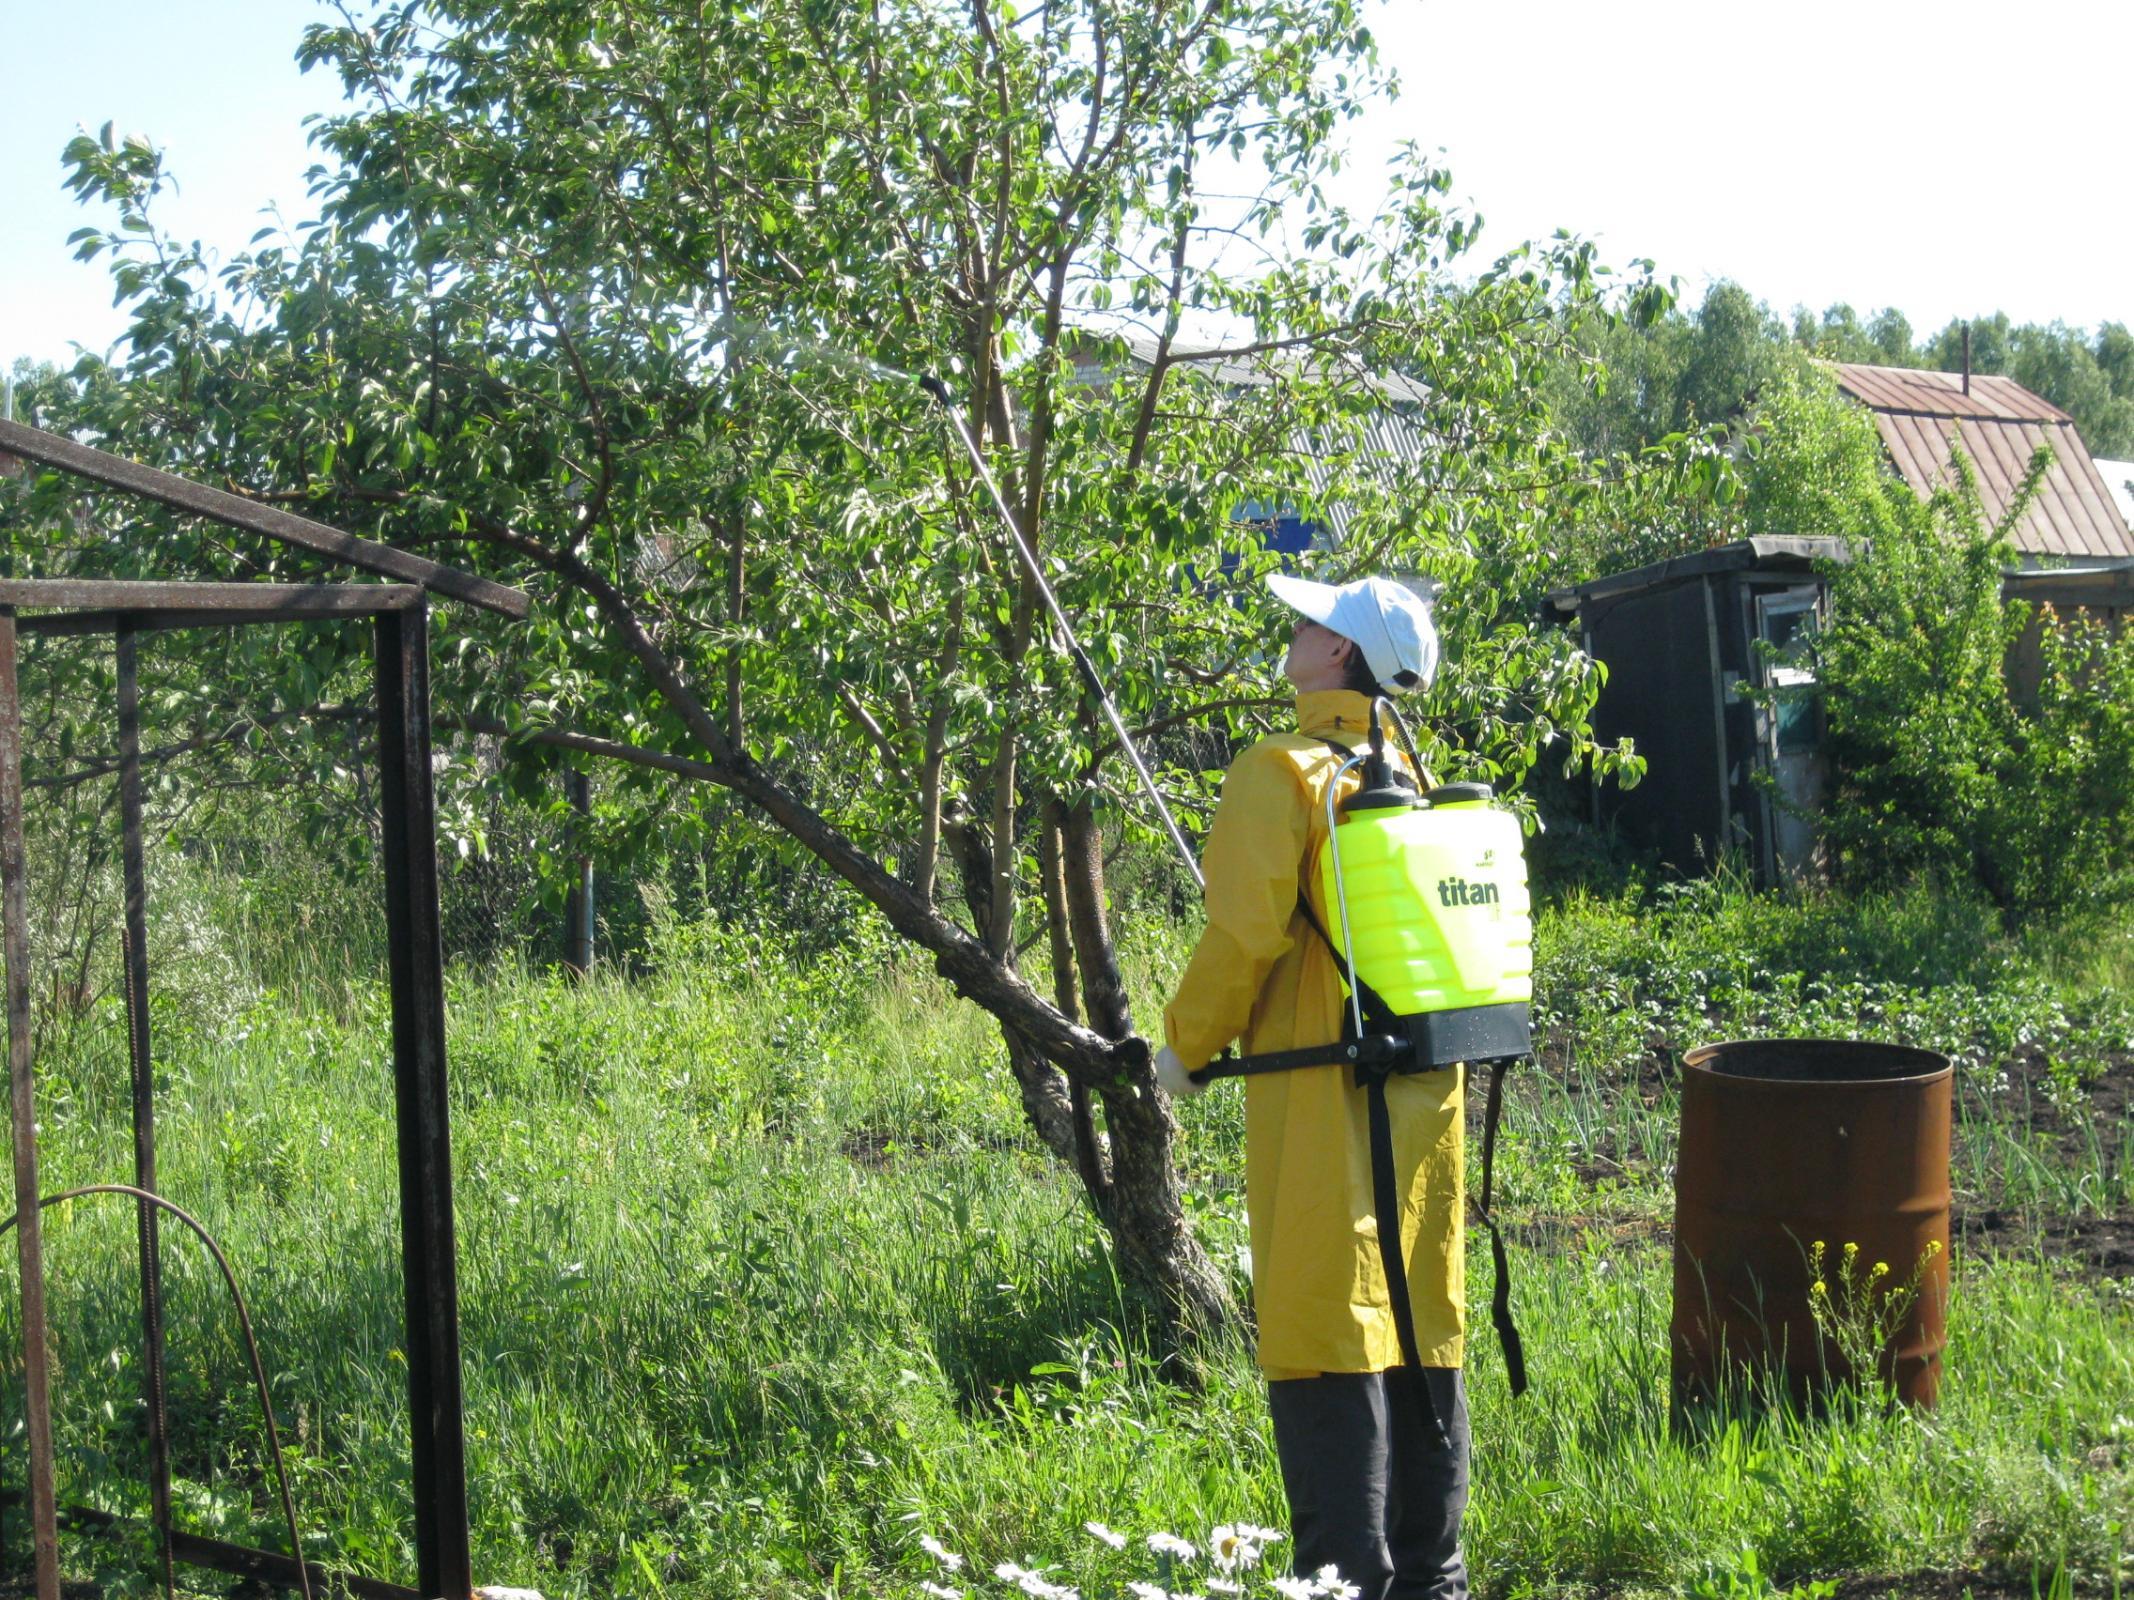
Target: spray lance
x,y
1083,665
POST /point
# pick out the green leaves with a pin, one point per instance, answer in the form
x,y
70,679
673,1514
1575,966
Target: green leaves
x,y
602,286
1948,763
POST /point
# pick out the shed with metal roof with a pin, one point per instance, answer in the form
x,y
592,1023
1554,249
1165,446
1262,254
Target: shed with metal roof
x,y
2000,425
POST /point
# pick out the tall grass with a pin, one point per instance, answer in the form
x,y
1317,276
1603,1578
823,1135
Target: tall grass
x,y
762,1277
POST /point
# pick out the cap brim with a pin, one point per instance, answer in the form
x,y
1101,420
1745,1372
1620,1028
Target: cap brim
x,y
1314,600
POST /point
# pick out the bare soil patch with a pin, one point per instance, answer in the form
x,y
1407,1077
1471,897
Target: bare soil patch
x,y
1950,1585
2103,1245
2028,1103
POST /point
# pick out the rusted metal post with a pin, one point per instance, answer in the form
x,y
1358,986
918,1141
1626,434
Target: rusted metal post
x,y
134,875
580,912
415,947
22,1124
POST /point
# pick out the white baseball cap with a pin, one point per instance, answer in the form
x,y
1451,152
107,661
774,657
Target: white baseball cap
x,y
1390,622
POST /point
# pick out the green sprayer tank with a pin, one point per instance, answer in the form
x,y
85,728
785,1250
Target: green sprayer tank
x,y
1433,894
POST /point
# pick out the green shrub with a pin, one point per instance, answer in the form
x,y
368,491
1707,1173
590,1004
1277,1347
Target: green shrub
x,y
2059,824
1941,770
1921,723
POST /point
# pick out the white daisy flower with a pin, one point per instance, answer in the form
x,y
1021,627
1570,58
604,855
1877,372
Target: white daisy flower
x,y
1226,1546
1104,1535
1332,1586
1169,1544
1296,1589
1224,1586
940,1552
940,1591
1147,1591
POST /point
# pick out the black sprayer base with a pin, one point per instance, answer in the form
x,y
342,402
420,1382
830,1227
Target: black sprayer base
x,y
1474,1034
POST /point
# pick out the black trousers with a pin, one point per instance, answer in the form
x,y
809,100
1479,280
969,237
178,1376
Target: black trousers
x,y
1375,1467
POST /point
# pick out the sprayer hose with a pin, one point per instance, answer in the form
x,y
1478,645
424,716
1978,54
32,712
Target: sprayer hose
x,y
244,1323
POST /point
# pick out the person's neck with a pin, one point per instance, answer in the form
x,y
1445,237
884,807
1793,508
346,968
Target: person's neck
x,y
1319,683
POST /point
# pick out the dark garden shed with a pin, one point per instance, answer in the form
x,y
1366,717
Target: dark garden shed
x,y
1708,668
1688,676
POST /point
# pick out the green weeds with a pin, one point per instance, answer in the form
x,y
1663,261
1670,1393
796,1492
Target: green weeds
x,y
762,1280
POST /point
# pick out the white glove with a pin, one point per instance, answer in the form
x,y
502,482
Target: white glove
x,y
1171,1076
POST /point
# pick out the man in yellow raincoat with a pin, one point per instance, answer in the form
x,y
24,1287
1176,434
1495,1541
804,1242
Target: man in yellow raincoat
x,y
1373,1447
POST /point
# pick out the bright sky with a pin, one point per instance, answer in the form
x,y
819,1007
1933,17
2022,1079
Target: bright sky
x,y
1947,157
1942,156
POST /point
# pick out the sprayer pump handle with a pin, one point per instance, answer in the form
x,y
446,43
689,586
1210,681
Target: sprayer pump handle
x,y
1384,786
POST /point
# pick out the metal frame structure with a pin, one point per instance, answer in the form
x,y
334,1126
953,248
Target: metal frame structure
x,y
399,613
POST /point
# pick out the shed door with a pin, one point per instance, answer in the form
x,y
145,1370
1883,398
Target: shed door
x,y
1793,735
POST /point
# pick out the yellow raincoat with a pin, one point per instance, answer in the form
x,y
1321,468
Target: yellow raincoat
x,y
1261,976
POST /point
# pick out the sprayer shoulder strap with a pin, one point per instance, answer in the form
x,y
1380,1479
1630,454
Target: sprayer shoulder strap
x,y
1377,1015
1385,1193
1500,1300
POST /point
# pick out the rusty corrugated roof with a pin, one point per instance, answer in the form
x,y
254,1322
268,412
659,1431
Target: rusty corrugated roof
x,y
2000,425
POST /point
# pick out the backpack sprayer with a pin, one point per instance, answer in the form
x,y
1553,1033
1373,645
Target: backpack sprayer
x,y
1436,950
1435,947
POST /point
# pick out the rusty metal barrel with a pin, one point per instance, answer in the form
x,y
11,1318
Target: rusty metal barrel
x,y
1791,1151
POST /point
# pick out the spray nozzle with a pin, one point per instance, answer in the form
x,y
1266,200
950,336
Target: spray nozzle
x,y
935,387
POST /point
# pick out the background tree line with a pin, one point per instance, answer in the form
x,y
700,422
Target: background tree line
x,y
1691,369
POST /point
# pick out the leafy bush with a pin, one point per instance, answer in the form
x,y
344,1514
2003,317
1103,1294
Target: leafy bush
x,y
1942,768
1813,464
2059,826
1922,726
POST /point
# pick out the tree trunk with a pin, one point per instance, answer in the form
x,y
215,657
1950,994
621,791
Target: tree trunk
x,y
1091,1159
1145,1213
1148,1221
1045,1098
1103,988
